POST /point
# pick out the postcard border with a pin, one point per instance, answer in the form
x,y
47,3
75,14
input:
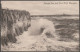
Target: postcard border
x,y
40,51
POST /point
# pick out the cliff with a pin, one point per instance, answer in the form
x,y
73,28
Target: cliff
x,y
13,23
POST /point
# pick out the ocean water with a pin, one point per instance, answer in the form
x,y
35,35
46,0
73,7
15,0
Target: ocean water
x,y
41,36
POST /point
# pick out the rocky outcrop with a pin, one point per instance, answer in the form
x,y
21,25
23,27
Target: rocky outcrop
x,y
13,23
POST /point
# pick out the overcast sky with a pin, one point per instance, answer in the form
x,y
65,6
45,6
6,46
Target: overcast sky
x,y
43,7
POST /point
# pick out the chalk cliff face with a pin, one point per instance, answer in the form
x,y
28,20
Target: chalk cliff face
x,y
13,23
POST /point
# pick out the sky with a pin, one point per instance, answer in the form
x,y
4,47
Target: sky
x,y
44,7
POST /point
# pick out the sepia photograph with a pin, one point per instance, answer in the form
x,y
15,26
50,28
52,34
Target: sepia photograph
x,y
39,26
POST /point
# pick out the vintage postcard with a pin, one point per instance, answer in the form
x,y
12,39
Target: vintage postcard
x,y
40,25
